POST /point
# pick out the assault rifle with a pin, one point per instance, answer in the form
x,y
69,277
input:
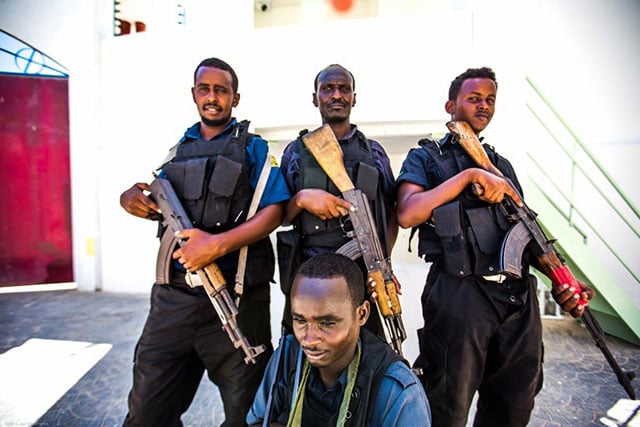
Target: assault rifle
x,y
365,242
526,232
175,219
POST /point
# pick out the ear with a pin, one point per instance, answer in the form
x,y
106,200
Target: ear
x,y
236,100
315,99
449,107
362,313
193,94
353,103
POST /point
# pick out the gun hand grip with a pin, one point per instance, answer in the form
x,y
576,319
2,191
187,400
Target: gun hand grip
x,y
215,276
386,295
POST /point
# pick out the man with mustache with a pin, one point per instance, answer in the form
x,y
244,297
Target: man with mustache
x,y
334,372
482,331
214,170
316,209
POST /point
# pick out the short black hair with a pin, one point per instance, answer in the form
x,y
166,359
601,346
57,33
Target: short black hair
x,y
471,73
315,81
220,65
332,265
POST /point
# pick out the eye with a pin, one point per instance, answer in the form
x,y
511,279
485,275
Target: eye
x,y
491,101
299,320
326,88
203,90
327,323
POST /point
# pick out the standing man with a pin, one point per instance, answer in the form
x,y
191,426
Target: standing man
x,y
214,171
482,332
316,209
346,375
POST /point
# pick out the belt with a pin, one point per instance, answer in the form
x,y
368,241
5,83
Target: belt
x,y
496,278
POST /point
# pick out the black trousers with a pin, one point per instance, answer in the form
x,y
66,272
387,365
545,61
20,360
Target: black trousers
x,y
471,342
181,339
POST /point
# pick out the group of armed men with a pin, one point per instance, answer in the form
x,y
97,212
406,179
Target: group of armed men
x,y
482,332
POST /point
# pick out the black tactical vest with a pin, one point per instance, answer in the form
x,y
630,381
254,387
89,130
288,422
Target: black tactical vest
x,y
358,160
213,186
468,233
374,362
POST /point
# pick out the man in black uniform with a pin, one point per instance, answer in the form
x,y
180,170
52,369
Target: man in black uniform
x,y
316,208
481,332
214,172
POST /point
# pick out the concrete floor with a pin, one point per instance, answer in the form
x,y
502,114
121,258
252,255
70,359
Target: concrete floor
x,y
579,385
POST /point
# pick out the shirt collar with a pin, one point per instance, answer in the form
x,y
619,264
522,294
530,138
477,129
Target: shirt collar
x,y
194,131
349,135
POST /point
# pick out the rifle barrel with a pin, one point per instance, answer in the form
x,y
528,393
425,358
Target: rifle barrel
x,y
596,331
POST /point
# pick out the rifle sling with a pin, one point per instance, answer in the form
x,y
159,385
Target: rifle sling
x,y
255,201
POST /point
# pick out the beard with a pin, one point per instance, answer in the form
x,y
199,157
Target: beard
x,y
332,120
215,123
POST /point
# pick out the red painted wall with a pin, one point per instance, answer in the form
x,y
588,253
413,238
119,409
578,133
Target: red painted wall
x,y
35,202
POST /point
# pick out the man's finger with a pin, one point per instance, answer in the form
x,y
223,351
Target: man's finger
x,y
515,197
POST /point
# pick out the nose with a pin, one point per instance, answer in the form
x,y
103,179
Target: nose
x,y
336,94
311,336
211,96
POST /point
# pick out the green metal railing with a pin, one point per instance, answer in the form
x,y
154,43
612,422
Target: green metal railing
x,y
577,168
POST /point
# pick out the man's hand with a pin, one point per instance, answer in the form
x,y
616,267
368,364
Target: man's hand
x,y
569,300
322,204
198,250
371,288
493,188
137,203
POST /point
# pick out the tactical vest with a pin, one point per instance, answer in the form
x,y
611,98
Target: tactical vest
x,y
375,360
467,233
212,183
359,163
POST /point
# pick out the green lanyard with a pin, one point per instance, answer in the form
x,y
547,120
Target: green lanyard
x,y
295,417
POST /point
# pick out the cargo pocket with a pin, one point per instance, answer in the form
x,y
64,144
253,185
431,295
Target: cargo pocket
x,y
448,227
187,179
289,252
366,179
261,264
485,238
314,177
220,189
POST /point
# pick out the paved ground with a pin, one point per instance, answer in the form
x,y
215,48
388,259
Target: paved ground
x,y
579,386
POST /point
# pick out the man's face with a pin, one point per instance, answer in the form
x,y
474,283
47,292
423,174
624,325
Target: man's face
x,y
213,94
325,321
475,103
334,95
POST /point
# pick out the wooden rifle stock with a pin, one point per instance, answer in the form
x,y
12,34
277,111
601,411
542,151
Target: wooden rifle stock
x,y
548,259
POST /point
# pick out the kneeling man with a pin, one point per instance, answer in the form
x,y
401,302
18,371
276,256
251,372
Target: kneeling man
x,y
333,372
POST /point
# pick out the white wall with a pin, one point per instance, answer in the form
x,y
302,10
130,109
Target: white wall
x,y
130,100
